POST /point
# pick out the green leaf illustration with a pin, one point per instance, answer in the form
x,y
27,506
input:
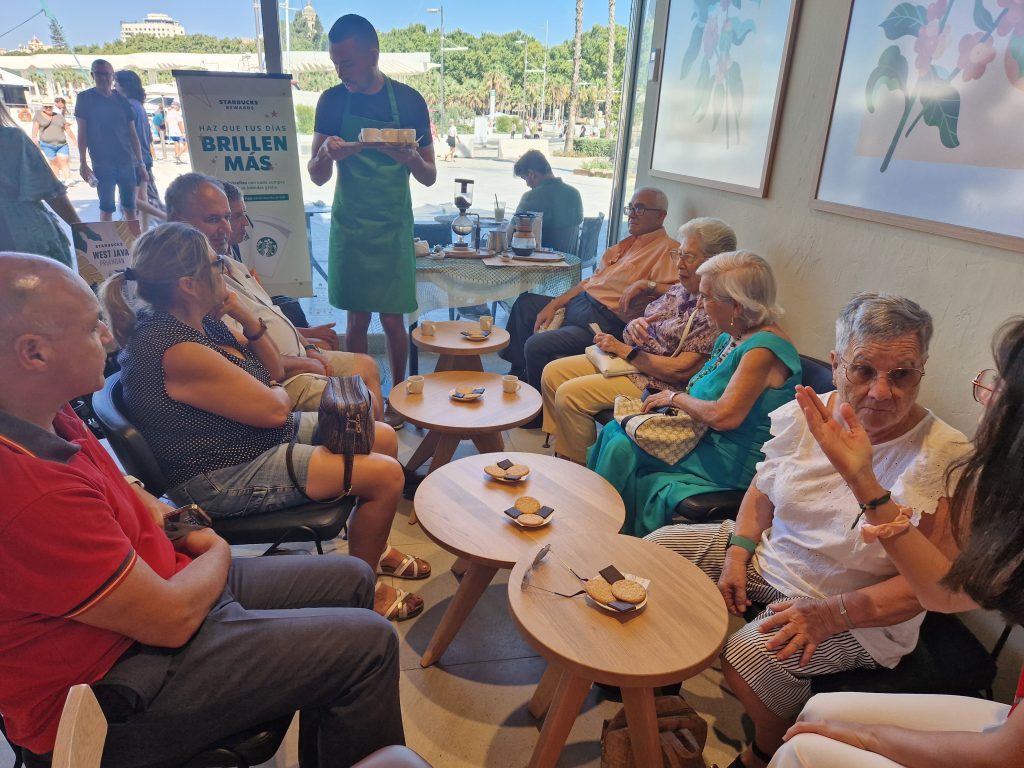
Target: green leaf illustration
x,y
982,18
891,72
736,3
905,20
701,7
740,30
1014,61
940,107
692,51
702,90
734,81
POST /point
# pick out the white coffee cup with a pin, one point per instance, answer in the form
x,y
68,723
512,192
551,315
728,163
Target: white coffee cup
x,y
414,385
486,322
510,383
428,327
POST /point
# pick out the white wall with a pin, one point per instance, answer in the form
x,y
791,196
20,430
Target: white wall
x,y
820,259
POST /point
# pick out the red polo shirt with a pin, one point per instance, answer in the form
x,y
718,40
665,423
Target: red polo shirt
x,y
71,529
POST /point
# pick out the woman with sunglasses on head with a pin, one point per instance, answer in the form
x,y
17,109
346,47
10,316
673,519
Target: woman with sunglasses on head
x,y
207,402
667,345
850,730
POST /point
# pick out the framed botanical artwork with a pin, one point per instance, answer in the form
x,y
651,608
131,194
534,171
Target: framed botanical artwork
x,y
723,76
927,126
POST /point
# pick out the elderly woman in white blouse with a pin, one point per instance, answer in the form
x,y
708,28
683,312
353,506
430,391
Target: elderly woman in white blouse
x,y
835,602
669,344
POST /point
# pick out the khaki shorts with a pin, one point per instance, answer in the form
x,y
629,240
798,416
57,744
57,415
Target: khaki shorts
x,y
306,388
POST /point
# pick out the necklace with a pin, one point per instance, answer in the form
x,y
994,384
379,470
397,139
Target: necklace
x,y
726,351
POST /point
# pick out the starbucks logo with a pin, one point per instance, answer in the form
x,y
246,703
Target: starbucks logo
x,y
266,247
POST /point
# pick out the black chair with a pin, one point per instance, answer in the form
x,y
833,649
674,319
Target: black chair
x,y
305,522
586,246
948,659
719,505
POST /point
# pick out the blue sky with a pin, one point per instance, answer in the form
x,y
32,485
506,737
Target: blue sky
x,y
86,22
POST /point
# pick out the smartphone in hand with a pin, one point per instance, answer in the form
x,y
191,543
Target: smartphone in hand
x,y
190,514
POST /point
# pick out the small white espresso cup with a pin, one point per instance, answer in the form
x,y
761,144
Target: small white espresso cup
x,y
414,385
428,327
510,383
486,322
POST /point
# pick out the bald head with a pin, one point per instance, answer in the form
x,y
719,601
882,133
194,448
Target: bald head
x,y
199,200
33,289
654,205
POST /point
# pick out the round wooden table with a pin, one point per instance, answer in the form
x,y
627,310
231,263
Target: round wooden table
x,y
456,352
462,510
448,422
676,635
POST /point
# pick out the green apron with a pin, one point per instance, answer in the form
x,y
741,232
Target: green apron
x,y
371,262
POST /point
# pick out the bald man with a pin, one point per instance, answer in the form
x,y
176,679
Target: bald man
x,y
181,645
630,276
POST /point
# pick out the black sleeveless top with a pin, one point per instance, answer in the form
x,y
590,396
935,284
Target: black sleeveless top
x,y
188,441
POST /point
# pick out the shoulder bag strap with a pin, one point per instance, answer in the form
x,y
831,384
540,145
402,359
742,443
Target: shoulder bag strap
x,y
686,332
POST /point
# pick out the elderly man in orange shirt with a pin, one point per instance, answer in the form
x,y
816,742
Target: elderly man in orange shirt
x,y
630,276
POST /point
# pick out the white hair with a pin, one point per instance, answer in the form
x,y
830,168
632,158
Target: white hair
x,y
746,279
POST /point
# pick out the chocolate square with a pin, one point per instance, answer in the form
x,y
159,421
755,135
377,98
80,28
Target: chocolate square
x,y
544,512
479,391
505,463
513,512
611,574
619,605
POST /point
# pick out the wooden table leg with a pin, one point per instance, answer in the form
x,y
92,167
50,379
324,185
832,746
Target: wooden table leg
x,y
444,363
642,721
423,451
541,699
466,596
444,451
569,697
460,566
492,442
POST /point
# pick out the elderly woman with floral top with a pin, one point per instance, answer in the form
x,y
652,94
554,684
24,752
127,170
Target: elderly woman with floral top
x,y
667,345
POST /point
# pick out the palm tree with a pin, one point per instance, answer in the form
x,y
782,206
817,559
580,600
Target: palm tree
x,y
574,90
608,69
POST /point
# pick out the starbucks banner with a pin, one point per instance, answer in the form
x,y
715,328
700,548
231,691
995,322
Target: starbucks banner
x,y
241,128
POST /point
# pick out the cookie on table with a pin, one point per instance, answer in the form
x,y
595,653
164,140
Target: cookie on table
x,y
495,471
527,505
629,591
530,520
599,590
517,470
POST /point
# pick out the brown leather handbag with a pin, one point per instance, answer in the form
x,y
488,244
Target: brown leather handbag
x,y
681,730
346,425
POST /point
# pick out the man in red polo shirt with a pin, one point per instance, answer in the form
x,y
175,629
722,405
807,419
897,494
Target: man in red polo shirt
x,y
181,645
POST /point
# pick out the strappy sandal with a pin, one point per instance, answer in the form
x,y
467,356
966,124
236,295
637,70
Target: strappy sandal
x,y
400,609
410,568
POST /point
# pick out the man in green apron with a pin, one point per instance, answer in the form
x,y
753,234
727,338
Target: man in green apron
x,y
371,264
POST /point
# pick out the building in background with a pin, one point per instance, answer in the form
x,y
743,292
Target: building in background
x,y
155,24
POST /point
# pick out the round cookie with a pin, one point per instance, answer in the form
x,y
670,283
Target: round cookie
x,y
495,471
527,505
517,470
599,590
530,521
629,591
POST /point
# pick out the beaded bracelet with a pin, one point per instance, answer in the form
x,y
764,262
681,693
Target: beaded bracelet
x,y
873,504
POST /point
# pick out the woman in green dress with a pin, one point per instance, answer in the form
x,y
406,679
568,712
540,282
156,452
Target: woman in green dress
x,y
752,371
26,181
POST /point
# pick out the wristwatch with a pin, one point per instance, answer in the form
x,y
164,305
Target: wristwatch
x,y
631,354
651,285
259,334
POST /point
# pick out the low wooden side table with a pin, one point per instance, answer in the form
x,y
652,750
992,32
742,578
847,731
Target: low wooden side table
x,y
676,635
456,352
463,512
449,422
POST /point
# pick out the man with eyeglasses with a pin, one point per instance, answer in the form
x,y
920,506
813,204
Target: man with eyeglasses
x,y
630,276
106,134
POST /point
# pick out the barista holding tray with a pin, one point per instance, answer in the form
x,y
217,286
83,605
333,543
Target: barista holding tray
x,y
371,263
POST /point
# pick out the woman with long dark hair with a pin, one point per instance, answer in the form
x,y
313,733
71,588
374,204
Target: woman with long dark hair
x,y
844,730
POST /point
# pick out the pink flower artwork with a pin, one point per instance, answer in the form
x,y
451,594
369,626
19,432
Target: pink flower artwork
x,y
975,55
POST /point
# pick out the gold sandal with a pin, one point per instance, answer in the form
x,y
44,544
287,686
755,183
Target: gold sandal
x,y
410,568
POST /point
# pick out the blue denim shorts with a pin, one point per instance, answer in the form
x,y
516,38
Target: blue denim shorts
x,y
120,176
51,151
258,487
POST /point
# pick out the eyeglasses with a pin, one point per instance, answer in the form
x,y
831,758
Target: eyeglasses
x,y
537,560
639,210
986,384
899,378
236,217
689,259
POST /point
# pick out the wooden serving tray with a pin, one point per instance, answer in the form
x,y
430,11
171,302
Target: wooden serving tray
x,y
465,253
